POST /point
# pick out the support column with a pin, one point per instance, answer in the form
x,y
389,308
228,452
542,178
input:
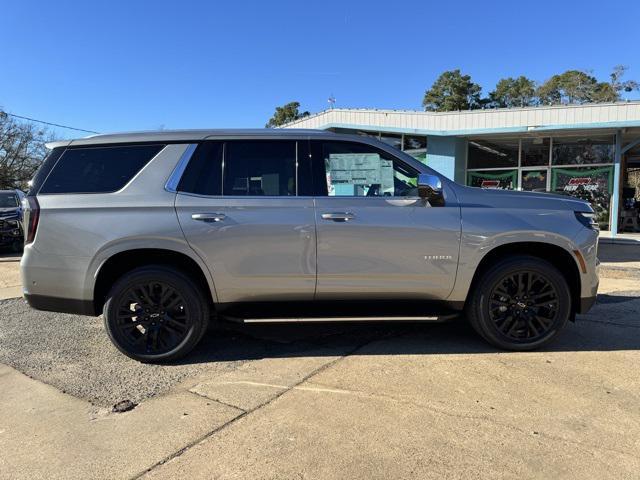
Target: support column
x,y
615,201
448,156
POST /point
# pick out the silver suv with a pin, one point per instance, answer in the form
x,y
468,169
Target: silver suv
x,y
162,232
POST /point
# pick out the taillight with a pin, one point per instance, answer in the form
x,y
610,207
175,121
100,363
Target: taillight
x,y
31,217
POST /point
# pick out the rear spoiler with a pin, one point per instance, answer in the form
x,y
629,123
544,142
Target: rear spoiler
x,y
60,143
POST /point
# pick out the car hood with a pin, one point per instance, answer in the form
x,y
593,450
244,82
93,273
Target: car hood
x,y
514,199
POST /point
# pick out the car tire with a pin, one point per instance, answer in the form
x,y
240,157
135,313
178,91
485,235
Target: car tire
x,y
520,303
155,314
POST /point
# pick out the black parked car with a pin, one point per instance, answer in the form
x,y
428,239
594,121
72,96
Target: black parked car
x,y
11,233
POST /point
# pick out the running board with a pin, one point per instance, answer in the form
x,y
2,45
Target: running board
x,y
339,319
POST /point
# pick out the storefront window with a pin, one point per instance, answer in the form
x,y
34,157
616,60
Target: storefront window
x,y
484,154
391,139
364,133
416,147
535,180
535,152
582,150
593,184
500,179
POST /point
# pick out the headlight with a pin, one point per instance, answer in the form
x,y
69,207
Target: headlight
x,y
588,219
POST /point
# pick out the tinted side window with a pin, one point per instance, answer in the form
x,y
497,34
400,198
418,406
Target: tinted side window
x,y
43,171
359,170
260,168
97,169
203,175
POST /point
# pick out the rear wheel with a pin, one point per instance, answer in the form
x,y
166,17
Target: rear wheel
x,y
155,314
521,303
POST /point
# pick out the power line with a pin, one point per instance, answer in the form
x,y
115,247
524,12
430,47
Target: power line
x,y
49,123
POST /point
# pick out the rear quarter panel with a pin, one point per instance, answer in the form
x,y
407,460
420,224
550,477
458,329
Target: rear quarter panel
x,y
77,233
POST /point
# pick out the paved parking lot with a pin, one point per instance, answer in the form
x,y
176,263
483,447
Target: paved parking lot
x,y
9,275
357,401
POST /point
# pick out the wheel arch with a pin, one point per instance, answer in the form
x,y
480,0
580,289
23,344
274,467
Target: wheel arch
x,y
124,261
561,258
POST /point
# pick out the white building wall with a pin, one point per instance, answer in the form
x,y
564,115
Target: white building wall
x,y
466,122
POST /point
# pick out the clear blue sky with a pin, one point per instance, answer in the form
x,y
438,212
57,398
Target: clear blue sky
x,y
133,65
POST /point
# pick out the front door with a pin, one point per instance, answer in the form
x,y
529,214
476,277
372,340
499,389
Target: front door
x,y
241,208
376,238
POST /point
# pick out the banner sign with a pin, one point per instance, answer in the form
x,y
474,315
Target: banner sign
x,y
501,180
594,185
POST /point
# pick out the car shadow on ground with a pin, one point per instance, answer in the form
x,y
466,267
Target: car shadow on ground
x,y
613,324
73,353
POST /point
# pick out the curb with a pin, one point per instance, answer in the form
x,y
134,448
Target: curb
x,y
619,272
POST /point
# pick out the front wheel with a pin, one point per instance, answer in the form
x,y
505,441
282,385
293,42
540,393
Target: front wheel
x,y
155,314
520,303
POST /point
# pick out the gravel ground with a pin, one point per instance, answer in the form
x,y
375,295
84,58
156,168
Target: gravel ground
x,y
73,353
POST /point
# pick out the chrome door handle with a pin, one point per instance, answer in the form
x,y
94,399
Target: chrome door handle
x,y
338,216
209,217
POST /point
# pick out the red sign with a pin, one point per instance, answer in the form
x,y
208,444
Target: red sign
x,y
588,183
580,181
490,184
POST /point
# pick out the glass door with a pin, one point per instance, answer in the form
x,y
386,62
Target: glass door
x,y
534,179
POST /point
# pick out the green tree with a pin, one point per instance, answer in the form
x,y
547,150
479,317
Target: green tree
x,y
452,91
570,87
604,92
285,114
575,86
513,92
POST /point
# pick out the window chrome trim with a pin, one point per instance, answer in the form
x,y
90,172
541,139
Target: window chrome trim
x,y
176,175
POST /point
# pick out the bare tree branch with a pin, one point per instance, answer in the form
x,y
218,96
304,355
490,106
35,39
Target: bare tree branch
x,y
22,150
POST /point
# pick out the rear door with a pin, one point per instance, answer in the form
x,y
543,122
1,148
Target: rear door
x,y
242,208
376,238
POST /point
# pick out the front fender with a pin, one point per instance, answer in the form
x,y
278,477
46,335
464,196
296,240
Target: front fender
x,y
484,230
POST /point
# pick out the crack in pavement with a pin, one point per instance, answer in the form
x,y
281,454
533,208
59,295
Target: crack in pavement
x,y
216,400
440,411
210,434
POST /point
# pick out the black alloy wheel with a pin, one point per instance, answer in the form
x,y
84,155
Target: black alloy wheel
x,y
152,318
524,305
520,303
155,314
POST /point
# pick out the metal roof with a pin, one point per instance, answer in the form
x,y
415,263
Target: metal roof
x,y
475,122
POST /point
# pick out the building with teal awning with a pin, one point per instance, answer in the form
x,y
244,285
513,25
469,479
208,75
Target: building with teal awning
x,y
591,151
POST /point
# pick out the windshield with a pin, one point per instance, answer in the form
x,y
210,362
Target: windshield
x,y
8,200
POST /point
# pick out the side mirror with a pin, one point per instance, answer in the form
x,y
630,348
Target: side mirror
x,y
429,186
